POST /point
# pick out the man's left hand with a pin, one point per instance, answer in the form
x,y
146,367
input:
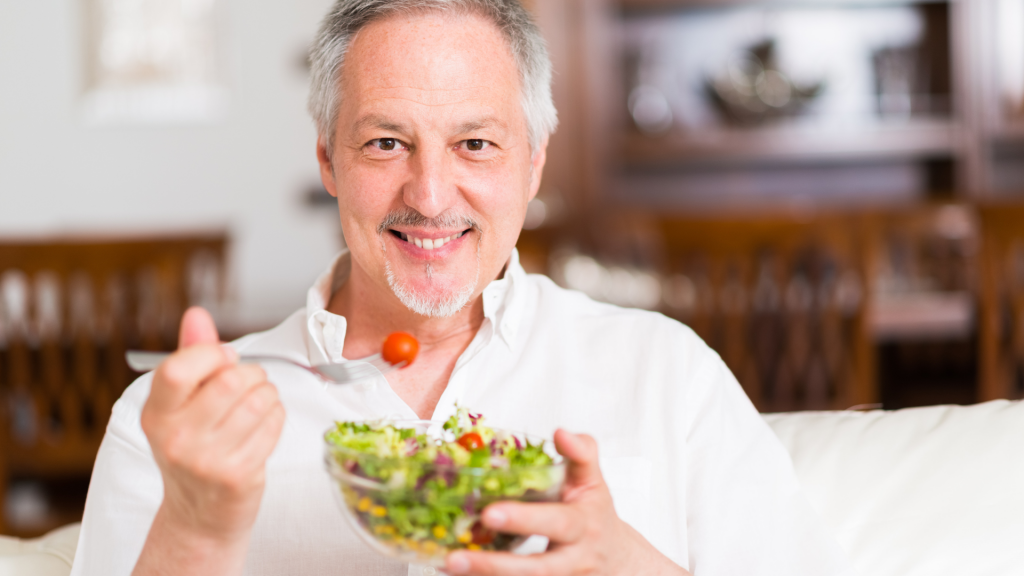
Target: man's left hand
x,y
585,534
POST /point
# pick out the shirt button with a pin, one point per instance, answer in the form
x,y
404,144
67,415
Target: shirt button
x,y
430,571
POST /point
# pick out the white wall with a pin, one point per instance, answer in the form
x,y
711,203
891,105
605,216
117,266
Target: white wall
x,y
247,173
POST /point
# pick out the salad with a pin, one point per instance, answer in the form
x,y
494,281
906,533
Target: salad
x,y
419,490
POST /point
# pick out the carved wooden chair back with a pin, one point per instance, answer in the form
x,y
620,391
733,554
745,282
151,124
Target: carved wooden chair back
x,y
782,299
1001,310
68,311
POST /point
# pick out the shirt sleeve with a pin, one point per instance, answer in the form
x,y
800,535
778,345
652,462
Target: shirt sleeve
x,y
747,512
124,493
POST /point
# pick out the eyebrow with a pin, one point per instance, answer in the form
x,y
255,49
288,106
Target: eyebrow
x,y
480,124
502,131
381,123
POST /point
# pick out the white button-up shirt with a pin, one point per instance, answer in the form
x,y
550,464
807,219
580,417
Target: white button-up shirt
x,y
690,463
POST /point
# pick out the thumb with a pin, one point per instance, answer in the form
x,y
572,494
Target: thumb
x,y
197,327
581,452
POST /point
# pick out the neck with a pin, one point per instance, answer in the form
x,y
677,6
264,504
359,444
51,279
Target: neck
x,y
372,312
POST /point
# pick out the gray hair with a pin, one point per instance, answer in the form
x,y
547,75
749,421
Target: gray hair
x,y
347,17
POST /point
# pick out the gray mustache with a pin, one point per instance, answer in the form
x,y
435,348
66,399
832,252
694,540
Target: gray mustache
x,y
411,217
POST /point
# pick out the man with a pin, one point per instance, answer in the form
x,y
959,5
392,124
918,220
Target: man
x,y
433,118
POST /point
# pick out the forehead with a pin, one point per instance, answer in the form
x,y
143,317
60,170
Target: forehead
x,y
427,60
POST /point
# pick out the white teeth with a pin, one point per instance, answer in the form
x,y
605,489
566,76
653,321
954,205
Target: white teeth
x,y
428,243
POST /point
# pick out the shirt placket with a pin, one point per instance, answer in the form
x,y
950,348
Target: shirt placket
x,y
459,380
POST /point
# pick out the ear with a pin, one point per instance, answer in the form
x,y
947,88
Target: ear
x,y
326,166
540,157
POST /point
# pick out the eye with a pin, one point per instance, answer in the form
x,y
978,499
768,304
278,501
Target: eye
x,y
386,144
477,145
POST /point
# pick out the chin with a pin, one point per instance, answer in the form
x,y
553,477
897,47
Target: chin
x,y
431,297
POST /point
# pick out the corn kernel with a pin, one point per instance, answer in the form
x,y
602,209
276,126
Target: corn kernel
x,y
440,532
473,547
364,504
429,547
387,529
465,538
379,511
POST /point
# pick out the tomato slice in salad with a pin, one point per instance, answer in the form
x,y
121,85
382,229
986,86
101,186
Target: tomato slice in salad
x,y
400,347
471,441
481,536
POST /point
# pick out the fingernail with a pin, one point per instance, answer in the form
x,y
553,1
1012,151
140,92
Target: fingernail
x,y
230,353
495,518
457,563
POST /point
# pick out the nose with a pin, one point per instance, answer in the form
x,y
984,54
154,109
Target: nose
x,y
431,190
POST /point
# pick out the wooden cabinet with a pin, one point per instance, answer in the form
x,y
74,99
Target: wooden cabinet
x,y
915,101
905,106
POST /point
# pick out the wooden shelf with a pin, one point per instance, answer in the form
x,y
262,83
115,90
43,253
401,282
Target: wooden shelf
x,y
640,5
922,316
1011,132
792,144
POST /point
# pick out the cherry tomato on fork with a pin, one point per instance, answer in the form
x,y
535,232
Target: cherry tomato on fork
x,y
400,347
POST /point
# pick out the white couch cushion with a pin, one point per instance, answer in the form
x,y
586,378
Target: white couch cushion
x,y
922,491
50,555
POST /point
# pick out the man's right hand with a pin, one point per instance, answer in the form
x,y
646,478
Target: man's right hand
x,y
212,424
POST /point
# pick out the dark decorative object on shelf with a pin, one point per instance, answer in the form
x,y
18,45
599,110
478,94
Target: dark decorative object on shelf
x,y
751,89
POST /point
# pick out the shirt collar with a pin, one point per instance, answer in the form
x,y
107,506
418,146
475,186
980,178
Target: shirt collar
x,y
325,331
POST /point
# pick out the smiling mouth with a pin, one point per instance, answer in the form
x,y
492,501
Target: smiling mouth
x,y
428,243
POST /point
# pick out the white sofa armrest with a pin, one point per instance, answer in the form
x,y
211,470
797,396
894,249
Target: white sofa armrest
x,y
50,555
922,491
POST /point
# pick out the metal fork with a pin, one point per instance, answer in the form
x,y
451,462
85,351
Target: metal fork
x,y
344,373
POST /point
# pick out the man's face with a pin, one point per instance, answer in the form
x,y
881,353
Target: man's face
x,y
431,164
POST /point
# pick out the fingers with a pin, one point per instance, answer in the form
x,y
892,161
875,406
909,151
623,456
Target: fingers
x,y
581,452
212,424
247,415
504,563
198,357
561,523
259,443
225,433
218,395
177,378
197,327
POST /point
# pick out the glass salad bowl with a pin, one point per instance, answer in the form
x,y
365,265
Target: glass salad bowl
x,y
414,490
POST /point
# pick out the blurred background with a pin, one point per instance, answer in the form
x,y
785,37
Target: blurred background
x,y
831,193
